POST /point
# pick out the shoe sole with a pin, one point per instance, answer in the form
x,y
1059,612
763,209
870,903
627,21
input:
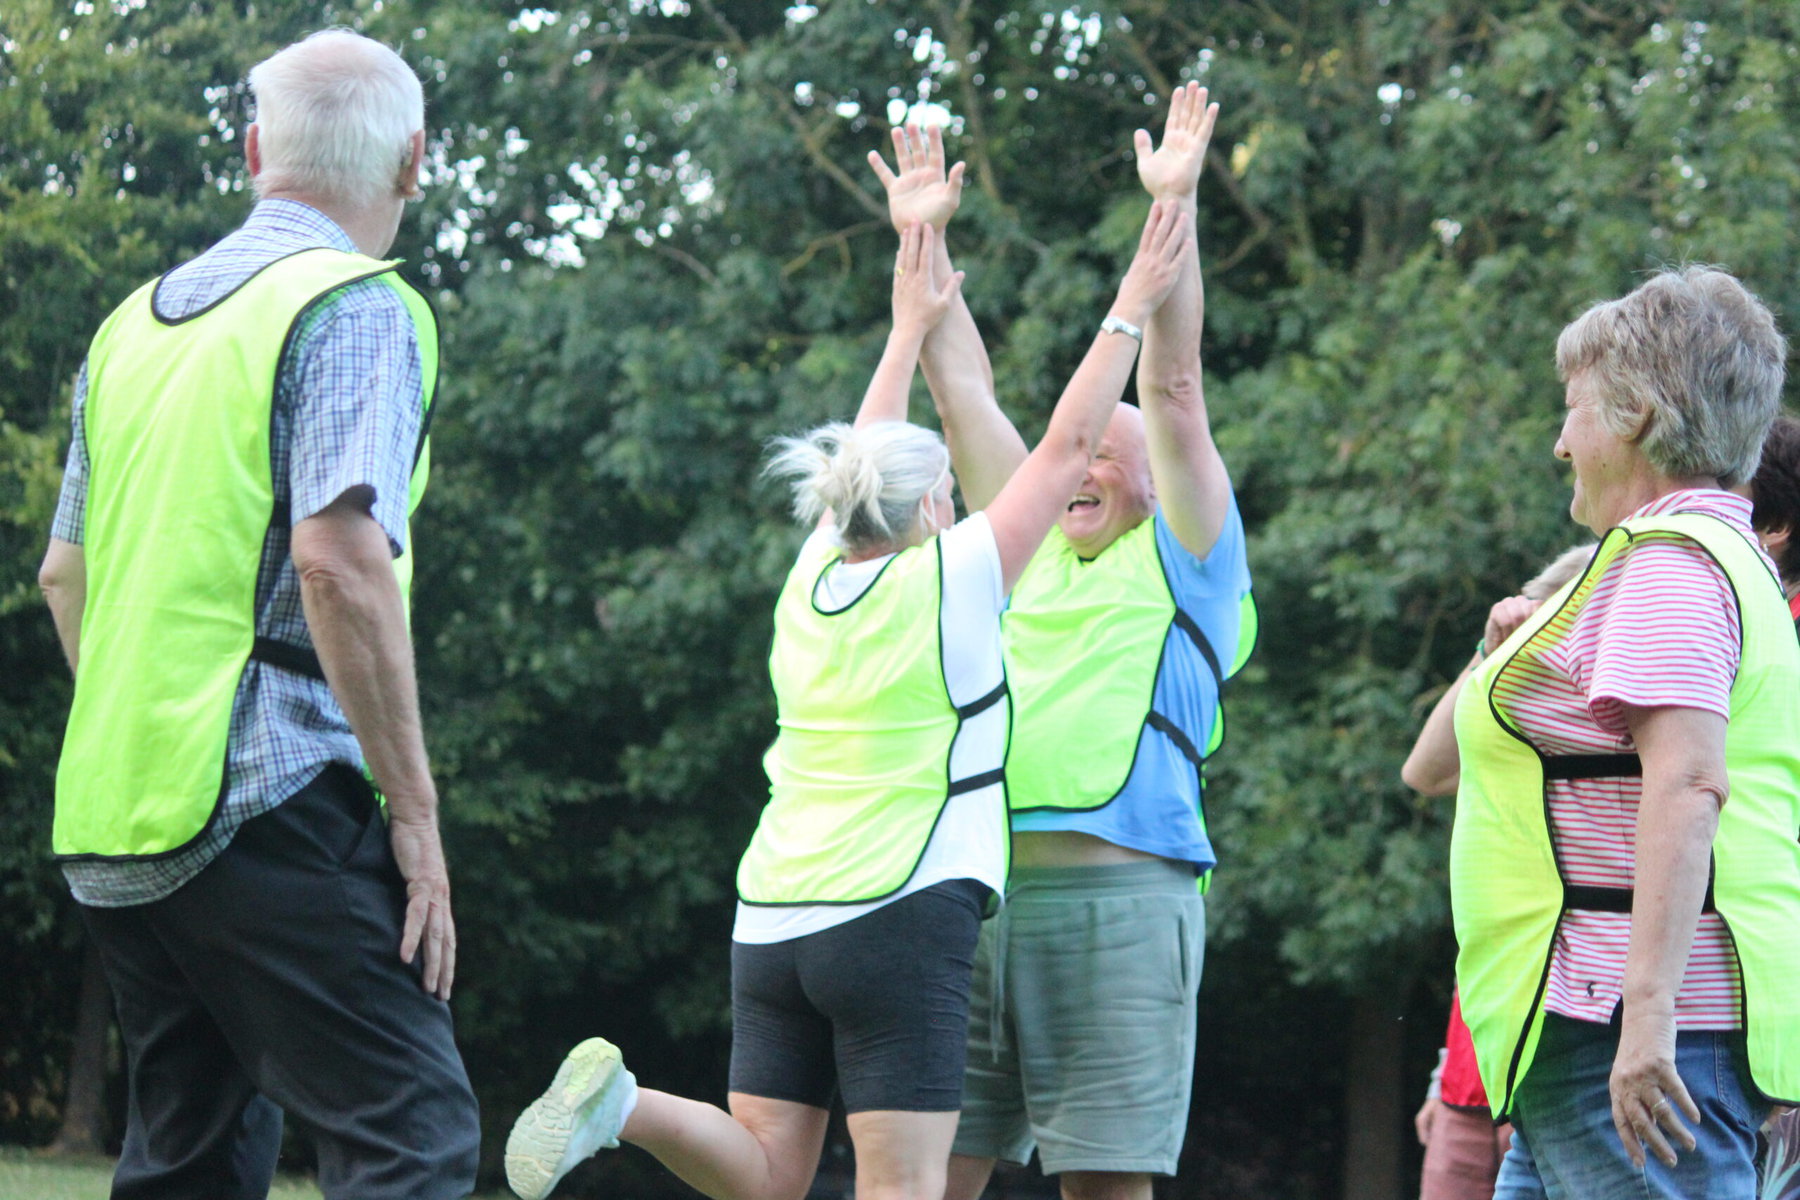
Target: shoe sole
x,y
540,1137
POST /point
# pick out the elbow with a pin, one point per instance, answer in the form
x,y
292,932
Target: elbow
x,y
338,558
1427,782
62,574
1179,388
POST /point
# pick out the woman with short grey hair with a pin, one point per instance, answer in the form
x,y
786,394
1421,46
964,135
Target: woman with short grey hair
x,y
886,834
1629,941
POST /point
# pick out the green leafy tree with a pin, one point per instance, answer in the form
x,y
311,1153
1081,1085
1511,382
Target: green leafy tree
x,y
654,245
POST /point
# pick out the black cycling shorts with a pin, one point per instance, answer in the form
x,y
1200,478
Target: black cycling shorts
x,y
877,1007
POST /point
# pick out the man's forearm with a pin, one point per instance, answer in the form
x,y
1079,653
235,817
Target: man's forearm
x,y
357,619
63,580
1169,368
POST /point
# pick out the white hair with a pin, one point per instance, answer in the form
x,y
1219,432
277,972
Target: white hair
x,y
1561,569
1689,367
875,479
337,112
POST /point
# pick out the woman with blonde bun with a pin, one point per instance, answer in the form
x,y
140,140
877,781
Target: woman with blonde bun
x,y
885,838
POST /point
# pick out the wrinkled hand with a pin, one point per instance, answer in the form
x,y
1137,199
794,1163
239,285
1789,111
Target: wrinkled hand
x,y
1157,265
1503,618
921,192
918,306
419,854
1646,1091
1172,170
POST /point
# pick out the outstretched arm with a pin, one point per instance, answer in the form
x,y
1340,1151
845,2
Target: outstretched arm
x,y
984,447
1040,489
1192,486
918,306
1434,768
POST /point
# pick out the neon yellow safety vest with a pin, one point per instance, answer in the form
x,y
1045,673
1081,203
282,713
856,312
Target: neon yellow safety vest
x,y
860,771
1084,646
1506,891
180,499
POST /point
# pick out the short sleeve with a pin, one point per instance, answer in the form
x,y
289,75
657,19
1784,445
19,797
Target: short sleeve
x,y
1660,629
354,377
70,522
1222,574
973,598
972,577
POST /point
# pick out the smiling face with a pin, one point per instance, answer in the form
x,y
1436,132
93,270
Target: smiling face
x,y
1116,495
1612,477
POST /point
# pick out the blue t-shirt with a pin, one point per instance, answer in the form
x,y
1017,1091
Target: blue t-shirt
x,y
1158,809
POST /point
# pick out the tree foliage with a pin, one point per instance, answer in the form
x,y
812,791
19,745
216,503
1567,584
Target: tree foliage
x,y
654,245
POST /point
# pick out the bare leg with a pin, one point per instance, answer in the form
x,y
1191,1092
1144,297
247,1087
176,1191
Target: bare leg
x,y
762,1150
968,1177
1105,1185
901,1155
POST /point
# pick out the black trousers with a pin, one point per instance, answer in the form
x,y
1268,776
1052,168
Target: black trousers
x,y
275,973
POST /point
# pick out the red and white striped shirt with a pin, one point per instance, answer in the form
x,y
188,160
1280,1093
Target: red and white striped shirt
x,y
1660,628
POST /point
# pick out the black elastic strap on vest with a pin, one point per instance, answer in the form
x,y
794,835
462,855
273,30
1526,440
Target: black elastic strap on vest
x,y
1593,897
976,782
1592,766
976,707
288,657
1173,732
1188,626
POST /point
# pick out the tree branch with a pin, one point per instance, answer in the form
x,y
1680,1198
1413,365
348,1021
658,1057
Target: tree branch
x,y
840,238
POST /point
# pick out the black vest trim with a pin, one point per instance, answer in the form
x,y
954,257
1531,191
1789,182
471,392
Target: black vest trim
x,y
1190,627
1592,766
287,656
1174,733
1593,897
975,783
976,707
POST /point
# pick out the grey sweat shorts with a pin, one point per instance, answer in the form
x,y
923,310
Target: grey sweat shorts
x,y
1081,1021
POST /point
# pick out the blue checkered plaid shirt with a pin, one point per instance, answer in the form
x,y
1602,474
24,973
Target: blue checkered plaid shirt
x,y
346,416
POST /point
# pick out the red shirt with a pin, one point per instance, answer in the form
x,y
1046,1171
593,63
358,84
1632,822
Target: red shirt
x,y
1460,1083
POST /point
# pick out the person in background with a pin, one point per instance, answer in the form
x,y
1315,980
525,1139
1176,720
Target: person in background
x,y
1463,1146
885,837
1119,638
1624,872
228,573
1775,494
1775,497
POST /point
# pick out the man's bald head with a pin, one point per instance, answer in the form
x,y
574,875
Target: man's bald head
x,y
1117,494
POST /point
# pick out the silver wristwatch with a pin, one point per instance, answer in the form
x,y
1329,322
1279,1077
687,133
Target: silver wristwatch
x,y
1116,325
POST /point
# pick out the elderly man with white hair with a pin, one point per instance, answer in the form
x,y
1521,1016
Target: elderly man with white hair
x,y
228,573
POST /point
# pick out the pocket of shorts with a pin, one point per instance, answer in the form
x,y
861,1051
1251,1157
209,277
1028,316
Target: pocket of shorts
x,y
1192,937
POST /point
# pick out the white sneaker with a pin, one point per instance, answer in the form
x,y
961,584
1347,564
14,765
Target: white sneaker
x,y
583,1111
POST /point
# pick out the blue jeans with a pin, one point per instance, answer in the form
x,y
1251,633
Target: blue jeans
x,y
1564,1144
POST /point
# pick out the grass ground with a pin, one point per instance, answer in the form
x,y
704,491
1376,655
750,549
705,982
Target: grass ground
x,y
30,1175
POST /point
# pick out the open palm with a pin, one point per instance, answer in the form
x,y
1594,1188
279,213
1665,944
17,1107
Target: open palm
x,y
919,191
1172,170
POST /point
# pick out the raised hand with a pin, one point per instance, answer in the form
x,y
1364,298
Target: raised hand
x,y
1172,170
1505,617
918,306
919,191
1157,265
